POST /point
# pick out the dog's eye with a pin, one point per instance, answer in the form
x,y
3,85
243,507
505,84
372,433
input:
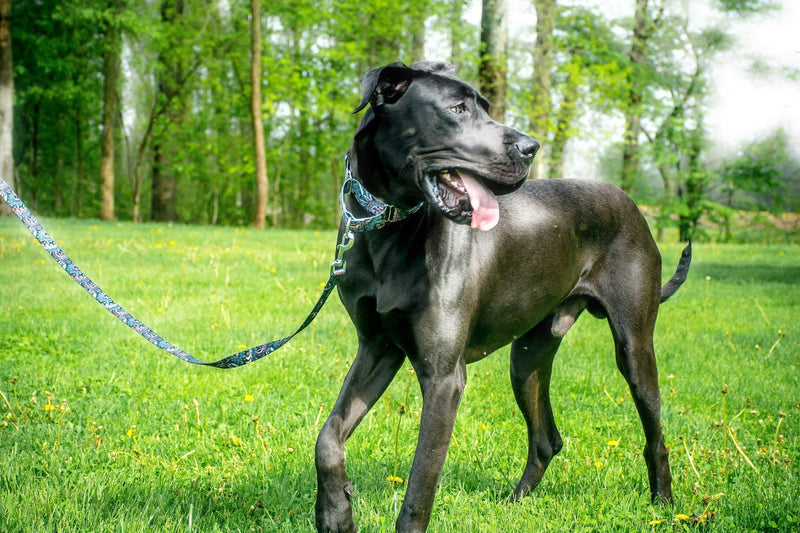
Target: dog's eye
x,y
459,108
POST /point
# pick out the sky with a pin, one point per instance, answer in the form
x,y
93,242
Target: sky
x,y
747,106
743,106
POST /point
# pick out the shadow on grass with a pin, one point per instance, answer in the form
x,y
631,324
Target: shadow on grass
x,y
788,275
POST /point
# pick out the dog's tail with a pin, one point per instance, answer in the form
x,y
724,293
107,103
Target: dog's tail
x,y
677,279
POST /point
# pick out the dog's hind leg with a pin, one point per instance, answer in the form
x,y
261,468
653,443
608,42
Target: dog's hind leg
x,y
373,369
632,319
531,366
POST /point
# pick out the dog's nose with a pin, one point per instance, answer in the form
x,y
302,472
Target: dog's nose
x,y
527,147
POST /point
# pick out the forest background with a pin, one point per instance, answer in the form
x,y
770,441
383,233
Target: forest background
x,y
239,112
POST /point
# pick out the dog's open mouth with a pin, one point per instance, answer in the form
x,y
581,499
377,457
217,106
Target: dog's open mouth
x,y
464,198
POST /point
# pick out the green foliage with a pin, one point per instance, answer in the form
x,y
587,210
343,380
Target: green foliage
x,y
57,100
101,432
185,99
746,7
764,174
588,47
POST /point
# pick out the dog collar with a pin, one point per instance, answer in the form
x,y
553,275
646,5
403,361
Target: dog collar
x,y
382,213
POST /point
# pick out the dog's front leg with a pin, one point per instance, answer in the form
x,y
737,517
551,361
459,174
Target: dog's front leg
x,y
441,393
374,368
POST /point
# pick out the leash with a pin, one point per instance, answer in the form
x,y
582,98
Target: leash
x,y
382,214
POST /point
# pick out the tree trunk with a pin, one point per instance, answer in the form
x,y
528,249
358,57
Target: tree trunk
x,y
492,66
138,171
136,209
302,179
566,116
79,162
262,182
542,80
633,110
111,59
6,101
417,22
457,32
171,77
163,205
33,178
695,183
58,198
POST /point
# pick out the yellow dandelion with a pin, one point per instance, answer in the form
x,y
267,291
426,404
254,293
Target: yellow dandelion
x,y
656,522
235,441
249,398
49,407
598,464
131,432
613,443
394,479
679,517
240,346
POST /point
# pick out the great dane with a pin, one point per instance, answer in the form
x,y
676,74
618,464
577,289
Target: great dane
x,y
475,269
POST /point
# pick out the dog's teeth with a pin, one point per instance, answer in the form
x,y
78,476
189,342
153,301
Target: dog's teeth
x,y
452,182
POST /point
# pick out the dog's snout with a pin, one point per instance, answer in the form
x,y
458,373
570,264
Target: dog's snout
x,y
527,147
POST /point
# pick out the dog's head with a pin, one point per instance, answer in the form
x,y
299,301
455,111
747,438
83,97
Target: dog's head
x,y
428,136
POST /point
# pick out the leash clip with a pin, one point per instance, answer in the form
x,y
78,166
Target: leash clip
x,y
339,265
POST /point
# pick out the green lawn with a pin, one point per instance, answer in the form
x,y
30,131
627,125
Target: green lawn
x,y
99,431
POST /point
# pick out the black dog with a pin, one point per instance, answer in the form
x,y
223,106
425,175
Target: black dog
x,y
444,294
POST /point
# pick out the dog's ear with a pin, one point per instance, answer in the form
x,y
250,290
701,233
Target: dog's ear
x,y
384,85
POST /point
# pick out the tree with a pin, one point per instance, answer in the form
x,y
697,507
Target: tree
x,y
418,14
677,114
761,174
492,70
458,32
542,80
643,26
6,100
262,185
169,77
589,70
58,92
112,44
184,110
672,97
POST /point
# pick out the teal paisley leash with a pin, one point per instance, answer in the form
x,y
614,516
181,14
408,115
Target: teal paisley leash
x,y
381,214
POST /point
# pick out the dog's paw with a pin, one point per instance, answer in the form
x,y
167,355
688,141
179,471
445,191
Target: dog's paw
x,y
334,514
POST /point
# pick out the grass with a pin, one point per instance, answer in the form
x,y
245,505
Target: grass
x,y
100,432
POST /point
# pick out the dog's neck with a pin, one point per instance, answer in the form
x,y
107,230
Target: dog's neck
x,y
374,213
368,169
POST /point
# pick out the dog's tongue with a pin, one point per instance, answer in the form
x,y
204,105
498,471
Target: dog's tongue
x,y
485,210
